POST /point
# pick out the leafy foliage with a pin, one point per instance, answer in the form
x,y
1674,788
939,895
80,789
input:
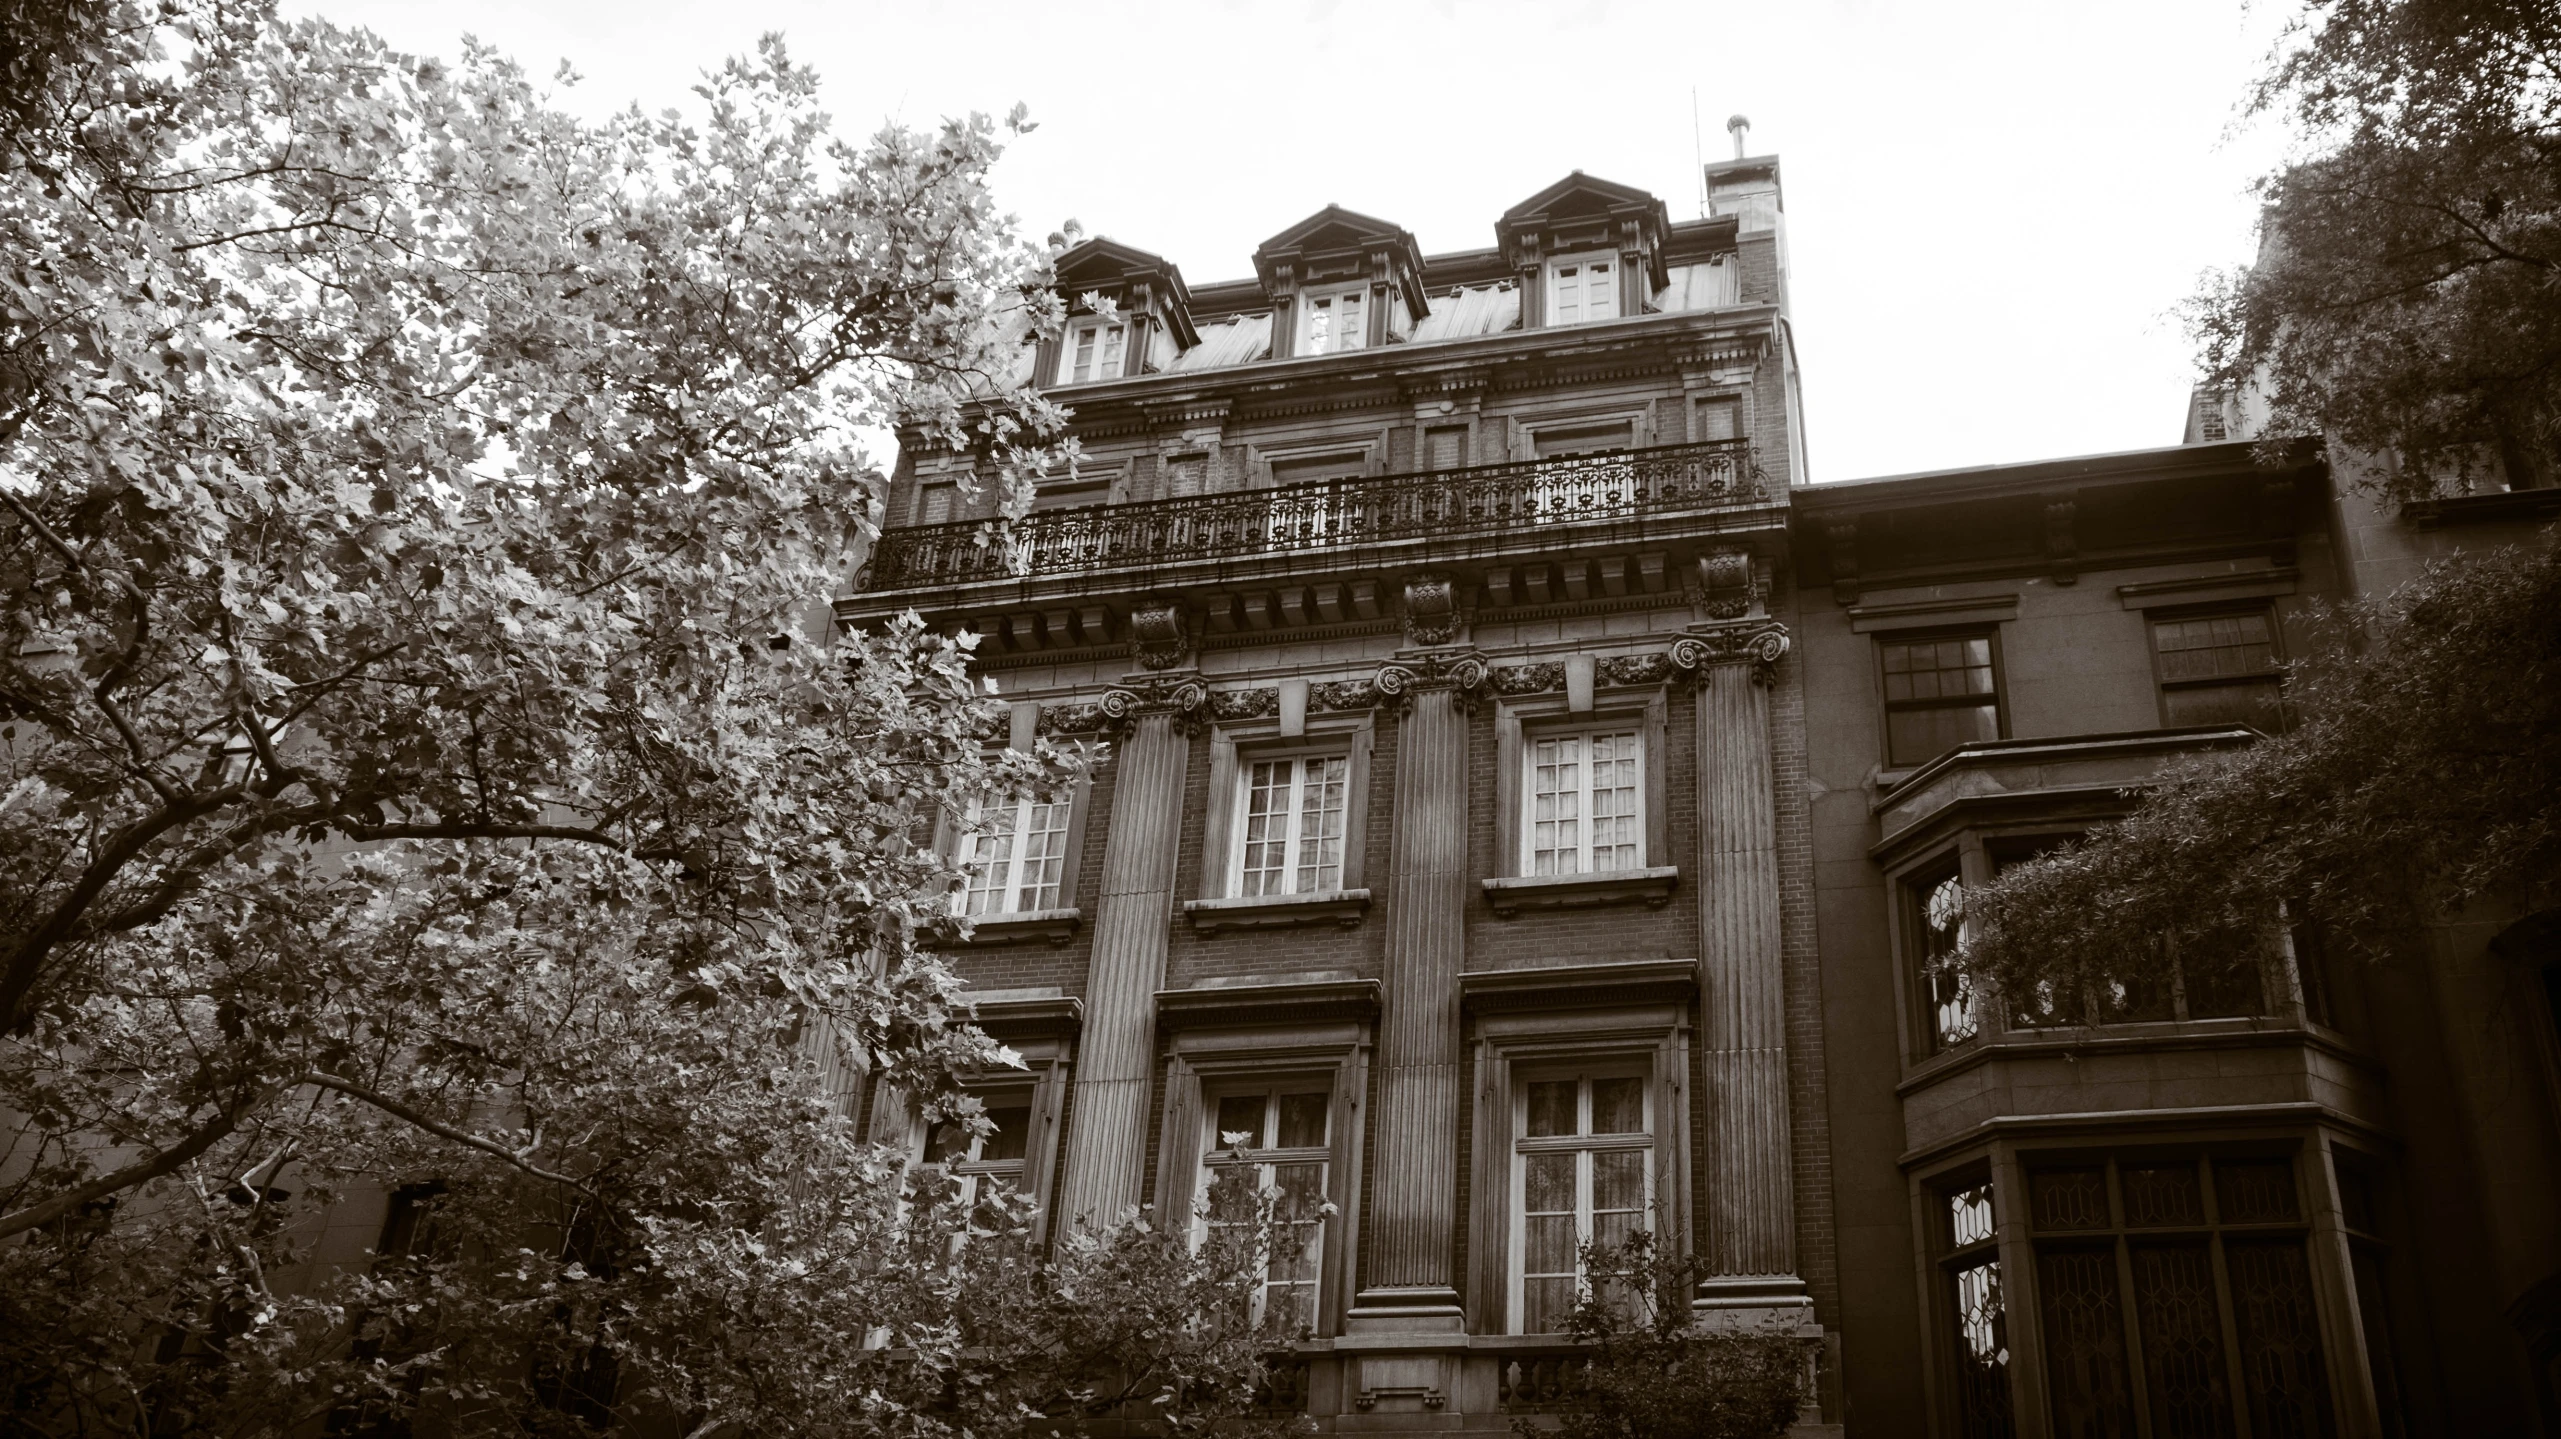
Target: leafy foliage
x,y
1655,1372
2424,773
421,769
2404,299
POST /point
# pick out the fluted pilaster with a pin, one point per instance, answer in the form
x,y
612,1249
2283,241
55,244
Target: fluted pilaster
x,y
1750,1217
1414,1204
1107,1147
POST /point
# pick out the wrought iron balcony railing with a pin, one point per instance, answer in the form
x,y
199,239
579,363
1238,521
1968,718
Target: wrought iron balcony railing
x,y
1524,496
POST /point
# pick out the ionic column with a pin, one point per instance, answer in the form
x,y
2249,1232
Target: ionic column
x,y
1749,1229
1414,1198
1107,1141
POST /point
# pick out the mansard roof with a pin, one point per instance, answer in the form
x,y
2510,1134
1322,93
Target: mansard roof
x,y
1351,240
1585,209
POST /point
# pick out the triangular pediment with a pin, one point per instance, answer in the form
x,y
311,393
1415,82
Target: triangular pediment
x,y
1342,241
1129,276
1585,210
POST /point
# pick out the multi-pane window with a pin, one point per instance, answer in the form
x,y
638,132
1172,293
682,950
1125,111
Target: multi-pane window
x,y
984,1163
1582,288
1973,1268
1272,1140
1336,322
1940,692
1290,838
1938,923
1583,1166
1017,855
1582,811
2218,669
2178,1288
1092,351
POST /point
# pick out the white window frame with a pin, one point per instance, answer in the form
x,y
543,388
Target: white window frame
x,y
1109,355
1294,838
1556,282
1330,305
1010,895
1532,743
1215,1154
1583,1144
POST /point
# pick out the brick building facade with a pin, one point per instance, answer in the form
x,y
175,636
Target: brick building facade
x,y
1529,806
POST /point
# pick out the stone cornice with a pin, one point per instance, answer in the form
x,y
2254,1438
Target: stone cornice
x,y
1580,986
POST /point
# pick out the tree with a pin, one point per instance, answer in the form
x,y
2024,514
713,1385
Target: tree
x,y
421,773
2404,298
2423,774
1654,1371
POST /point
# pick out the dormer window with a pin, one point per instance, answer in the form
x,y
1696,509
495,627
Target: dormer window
x,y
1092,352
1337,320
1582,288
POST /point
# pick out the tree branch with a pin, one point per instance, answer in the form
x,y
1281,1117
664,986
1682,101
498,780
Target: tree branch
x,y
438,1127
132,1174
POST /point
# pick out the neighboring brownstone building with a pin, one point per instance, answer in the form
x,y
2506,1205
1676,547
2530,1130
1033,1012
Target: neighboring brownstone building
x,y
1529,806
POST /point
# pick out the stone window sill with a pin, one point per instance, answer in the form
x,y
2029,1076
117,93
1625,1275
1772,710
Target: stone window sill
x,y
1652,886
1277,911
1055,925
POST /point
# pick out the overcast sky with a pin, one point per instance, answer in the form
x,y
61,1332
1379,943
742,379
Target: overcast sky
x,y
1994,208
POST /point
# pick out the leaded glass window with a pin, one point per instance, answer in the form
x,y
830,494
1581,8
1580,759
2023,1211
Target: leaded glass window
x,y
2178,1289
1947,994
1973,1266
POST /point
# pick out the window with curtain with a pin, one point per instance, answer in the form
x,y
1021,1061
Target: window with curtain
x,y
1940,692
1272,1139
1092,351
2218,669
1017,855
1290,825
1582,802
1581,289
1582,1171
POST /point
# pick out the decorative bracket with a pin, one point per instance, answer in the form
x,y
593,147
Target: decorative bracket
x,y
1158,634
1433,615
2062,544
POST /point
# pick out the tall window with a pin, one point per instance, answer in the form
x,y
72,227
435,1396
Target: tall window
x,y
1973,1268
1583,1166
1583,814
1939,693
1091,352
2218,669
1274,1140
1291,838
1336,321
1017,854
2221,1331
983,1163
1938,923
1581,289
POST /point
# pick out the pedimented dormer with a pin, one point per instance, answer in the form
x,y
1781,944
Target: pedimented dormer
x,y
1152,326
1586,250
1341,280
